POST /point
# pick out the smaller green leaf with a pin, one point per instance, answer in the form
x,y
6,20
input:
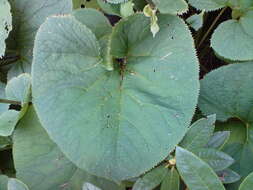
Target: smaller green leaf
x,y
208,5
228,176
116,1
89,186
171,181
8,121
196,174
111,9
218,139
196,21
86,3
127,9
173,7
19,88
216,159
234,40
3,182
199,134
151,179
247,184
14,184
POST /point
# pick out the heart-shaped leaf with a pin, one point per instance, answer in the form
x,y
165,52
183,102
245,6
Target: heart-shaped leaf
x,y
233,39
227,92
140,110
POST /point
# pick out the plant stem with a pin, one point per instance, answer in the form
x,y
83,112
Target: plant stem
x,y
5,101
211,27
247,132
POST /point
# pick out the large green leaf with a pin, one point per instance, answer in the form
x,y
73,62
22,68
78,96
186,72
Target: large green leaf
x,y
196,173
151,180
171,6
14,184
171,181
5,24
26,22
247,184
208,5
105,119
40,163
227,92
199,134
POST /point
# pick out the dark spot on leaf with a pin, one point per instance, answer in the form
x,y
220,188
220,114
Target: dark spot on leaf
x,y
15,107
82,6
172,37
108,116
154,70
88,0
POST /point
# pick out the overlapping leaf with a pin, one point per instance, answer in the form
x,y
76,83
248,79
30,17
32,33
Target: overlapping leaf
x,y
151,180
247,183
26,22
196,173
36,157
199,134
233,39
171,181
107,119
227,92
208,5
14,184
171,6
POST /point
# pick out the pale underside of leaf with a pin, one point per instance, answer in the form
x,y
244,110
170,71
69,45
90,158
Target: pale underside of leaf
x,y
5,24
